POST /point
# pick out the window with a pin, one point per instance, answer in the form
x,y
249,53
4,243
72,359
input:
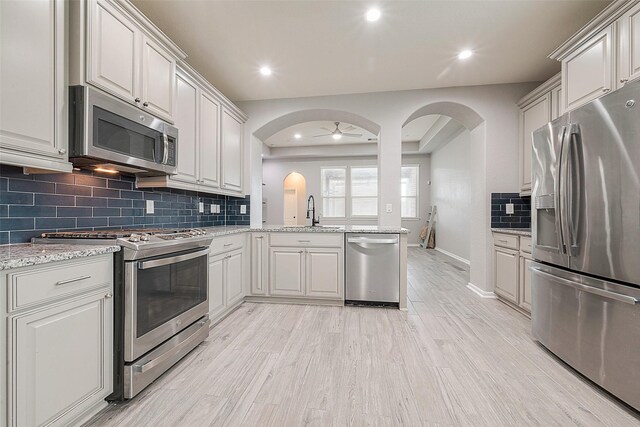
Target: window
x,y
334,183
409,191
364,191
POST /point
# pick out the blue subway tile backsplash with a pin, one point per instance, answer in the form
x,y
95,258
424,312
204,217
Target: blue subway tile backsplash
x,y
85,200
521,217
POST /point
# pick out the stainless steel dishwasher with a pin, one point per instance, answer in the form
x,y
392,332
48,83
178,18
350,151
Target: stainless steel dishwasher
x,y
373,269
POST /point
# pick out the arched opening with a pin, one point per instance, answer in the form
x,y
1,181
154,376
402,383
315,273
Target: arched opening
x,y
294,189
453,136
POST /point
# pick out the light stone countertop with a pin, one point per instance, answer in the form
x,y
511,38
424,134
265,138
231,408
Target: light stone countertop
x,y
25,254
374,229
515,231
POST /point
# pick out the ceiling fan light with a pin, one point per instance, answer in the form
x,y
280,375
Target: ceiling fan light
x,y
336,136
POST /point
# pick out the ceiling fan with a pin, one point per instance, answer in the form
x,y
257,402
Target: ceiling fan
x,y
337,133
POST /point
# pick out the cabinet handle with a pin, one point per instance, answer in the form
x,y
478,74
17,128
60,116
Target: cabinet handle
x,y
77,279
502,241
145,104
62,151
304,241
108,295
605,90
259,237
227,244
300,252
624,80
137,100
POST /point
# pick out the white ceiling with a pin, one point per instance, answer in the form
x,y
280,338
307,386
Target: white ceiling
x,y
308,131
327,47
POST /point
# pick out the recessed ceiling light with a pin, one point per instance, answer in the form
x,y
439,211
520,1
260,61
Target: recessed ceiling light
x,y
265,71
297,136
336,136
465,54
373,14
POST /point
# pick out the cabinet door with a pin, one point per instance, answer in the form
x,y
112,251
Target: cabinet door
x,y
158,78
557,108
33,107
232,153
61,360
533,116
259,264
629,46
324,273
209,141
506,273
113,57
587,73
186,121
525,283
286,268
217,298
234,276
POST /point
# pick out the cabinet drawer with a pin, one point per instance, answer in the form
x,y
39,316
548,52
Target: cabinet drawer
x,y
227,243
316,240
505,240
525,244
42,284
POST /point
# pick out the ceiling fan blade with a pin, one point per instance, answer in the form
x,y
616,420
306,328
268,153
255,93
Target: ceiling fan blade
x,y
319,136
352,135
325,128
349,128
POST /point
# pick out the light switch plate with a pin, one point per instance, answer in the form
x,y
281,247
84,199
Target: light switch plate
x,y
243,209
217,208
212,209
150,208
201,207
509,208
389,208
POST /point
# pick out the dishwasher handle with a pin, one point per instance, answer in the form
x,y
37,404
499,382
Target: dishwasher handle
x,y
391,241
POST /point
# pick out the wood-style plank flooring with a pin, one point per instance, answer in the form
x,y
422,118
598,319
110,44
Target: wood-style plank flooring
x,y
452,359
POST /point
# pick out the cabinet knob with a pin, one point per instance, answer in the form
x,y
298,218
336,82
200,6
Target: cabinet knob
x,y
137,100
142,118
62,151
145,104
624,80
108,295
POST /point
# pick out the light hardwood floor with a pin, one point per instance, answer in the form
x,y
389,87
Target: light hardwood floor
x,y
452,359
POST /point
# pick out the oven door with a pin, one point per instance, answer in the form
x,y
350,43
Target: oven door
x,y
163,296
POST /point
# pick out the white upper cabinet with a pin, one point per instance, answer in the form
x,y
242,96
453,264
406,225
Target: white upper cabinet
x,y
209,141
33,88
629,46
158,77
232,153
113,58
187,123
587,73
557,107
124,54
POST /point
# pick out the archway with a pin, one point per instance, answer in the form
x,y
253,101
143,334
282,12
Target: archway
x,y
294,189
479,232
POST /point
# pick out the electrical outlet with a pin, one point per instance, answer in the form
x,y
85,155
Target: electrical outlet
x,y
389,208
201,207
150,208
243,209
217,208
212,209
509,208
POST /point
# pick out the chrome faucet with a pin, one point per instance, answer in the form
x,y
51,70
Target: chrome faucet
x,y
311,201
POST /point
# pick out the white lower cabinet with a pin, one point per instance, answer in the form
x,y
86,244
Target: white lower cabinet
x,y
59,348
227,266
234,273
287,271
217,302
512,277
259,263
324,273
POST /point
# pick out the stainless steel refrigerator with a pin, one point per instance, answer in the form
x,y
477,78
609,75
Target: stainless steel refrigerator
x,y
586,240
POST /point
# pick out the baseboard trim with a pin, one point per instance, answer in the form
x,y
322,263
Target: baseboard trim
x,y
413,245
292,300
454,256
480,292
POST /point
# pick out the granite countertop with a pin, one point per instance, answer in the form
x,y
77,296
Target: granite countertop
x,y
516,231
333,229
223,230
25,254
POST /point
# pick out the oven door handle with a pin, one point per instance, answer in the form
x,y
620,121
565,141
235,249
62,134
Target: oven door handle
x,y
143,265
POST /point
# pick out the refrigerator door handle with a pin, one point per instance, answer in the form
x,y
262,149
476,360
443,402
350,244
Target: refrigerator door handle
x,y
573,182
589,289
558,190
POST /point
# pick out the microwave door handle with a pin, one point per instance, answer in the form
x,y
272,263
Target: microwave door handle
x,y
165,150
573,182
557,190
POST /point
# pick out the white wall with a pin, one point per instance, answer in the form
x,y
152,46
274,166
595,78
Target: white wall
x,y
494,147
451,193
274,171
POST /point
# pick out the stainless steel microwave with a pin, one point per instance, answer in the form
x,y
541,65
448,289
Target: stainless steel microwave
x,y
107,133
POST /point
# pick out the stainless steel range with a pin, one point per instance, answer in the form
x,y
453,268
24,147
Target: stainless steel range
x,y
161,304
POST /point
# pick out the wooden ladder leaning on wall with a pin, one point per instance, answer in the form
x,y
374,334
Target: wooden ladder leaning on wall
x,y
427,234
